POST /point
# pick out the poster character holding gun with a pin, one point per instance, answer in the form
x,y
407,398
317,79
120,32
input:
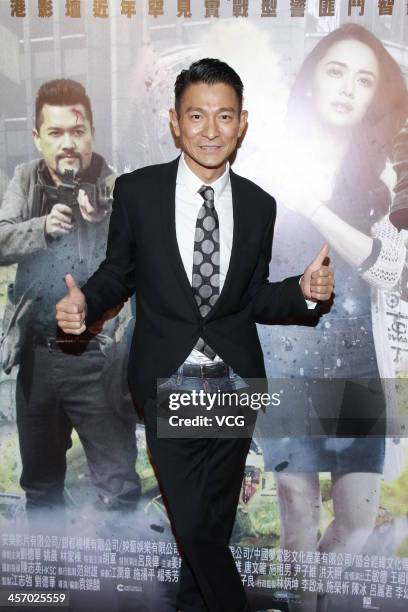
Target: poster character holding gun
x,y
48,222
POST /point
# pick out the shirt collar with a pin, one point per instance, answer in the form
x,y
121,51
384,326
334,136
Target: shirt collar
x,y
192,182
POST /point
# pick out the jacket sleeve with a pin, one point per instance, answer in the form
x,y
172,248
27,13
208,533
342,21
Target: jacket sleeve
x,y
277,301
20,235
114,280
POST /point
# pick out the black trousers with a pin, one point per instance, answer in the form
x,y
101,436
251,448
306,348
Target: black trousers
x,y
201,480
55,393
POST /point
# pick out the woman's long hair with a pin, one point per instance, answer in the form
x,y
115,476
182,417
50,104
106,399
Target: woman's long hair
x,y
371,140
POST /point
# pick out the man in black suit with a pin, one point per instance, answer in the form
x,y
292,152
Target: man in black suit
x,y
194,241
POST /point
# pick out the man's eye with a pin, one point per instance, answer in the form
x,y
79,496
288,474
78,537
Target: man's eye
x,y
225,117
195,116
54,133
79,132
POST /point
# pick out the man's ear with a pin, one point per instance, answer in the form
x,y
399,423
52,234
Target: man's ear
x,y
37,140
243,122
174,122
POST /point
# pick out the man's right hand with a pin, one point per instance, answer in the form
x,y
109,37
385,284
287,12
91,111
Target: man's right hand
x,y
71,310
59,221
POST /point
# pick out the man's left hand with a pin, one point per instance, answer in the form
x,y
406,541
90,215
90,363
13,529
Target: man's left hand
x,y
317,282
89,212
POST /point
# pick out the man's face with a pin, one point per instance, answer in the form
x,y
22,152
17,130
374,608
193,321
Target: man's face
x,y
208,125
65,138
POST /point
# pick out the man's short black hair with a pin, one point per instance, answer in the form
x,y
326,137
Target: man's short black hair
x,y
209,71
61,92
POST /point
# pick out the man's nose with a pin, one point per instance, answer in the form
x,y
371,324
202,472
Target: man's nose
x,y
210,129
67,141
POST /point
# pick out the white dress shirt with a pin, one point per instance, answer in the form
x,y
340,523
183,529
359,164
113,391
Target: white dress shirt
x,y
188,203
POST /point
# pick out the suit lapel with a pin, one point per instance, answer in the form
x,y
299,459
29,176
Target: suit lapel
x,y
237,236
167,197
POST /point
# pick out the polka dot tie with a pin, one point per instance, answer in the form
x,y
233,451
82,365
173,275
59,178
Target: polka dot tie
x,y
206,261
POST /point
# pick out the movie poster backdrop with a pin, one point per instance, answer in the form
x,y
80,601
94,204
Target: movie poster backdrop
x,y
323,508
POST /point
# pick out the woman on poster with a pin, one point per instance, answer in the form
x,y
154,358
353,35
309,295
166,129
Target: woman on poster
x,y
346,106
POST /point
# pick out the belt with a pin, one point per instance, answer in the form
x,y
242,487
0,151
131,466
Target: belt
x,y
197,370
57,343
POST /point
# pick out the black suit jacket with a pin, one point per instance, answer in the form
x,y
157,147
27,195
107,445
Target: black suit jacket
x,y
143,256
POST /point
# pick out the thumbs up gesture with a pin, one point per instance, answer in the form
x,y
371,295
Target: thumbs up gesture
x,y
317,282
71,310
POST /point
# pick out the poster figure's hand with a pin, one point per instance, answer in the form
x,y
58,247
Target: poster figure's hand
x,y
89,212
296,197
317,282
71,310
58,222
301,191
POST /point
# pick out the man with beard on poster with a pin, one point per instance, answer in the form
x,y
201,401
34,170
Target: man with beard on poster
x,y
177,232
54,217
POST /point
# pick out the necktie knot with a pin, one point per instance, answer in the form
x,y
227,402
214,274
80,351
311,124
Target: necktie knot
x,y
207,194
